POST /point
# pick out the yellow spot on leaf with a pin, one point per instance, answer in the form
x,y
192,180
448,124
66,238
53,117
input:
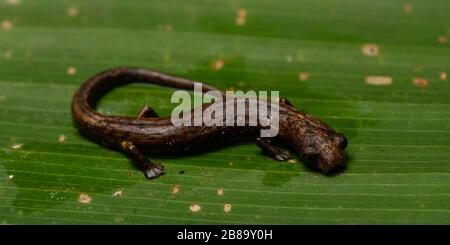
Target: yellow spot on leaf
x,y
443,76
195,208
370,49
227,208
220,192
7,25
241,17
176,189
289,58
218,64
408,8
420,82
168,27
16,146
303,76
12,2
378,80
7,54
442,39
117,193
61,138
72,11
84,198
72,70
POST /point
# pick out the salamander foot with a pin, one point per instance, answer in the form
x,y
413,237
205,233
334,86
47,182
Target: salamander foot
x,y
282,155
154,171
270,149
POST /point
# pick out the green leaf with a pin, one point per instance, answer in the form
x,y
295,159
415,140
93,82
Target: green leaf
x,y
309,50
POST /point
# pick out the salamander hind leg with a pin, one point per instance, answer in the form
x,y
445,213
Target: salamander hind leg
x,y
151,169
147,112
270,149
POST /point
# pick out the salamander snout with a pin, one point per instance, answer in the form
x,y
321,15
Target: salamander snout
x,y
332,157
340,140
326,153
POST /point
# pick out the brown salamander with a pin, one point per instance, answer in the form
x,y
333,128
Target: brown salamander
x,y
317,144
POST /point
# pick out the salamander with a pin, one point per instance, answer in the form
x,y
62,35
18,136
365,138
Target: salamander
x,y
147,134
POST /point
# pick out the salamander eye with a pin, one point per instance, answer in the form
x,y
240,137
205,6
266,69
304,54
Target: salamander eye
x,y
341,140
309,150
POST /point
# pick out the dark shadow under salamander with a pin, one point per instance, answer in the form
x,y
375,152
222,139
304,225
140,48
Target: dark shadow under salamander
x,y
317,144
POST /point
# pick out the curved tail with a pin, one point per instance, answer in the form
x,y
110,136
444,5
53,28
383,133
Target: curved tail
x,y
97,86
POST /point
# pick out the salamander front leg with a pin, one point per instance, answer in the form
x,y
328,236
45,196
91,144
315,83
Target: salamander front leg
x,y
270,149
151,170
147,112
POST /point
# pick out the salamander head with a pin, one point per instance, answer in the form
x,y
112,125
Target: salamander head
x,y
318,145
325,151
